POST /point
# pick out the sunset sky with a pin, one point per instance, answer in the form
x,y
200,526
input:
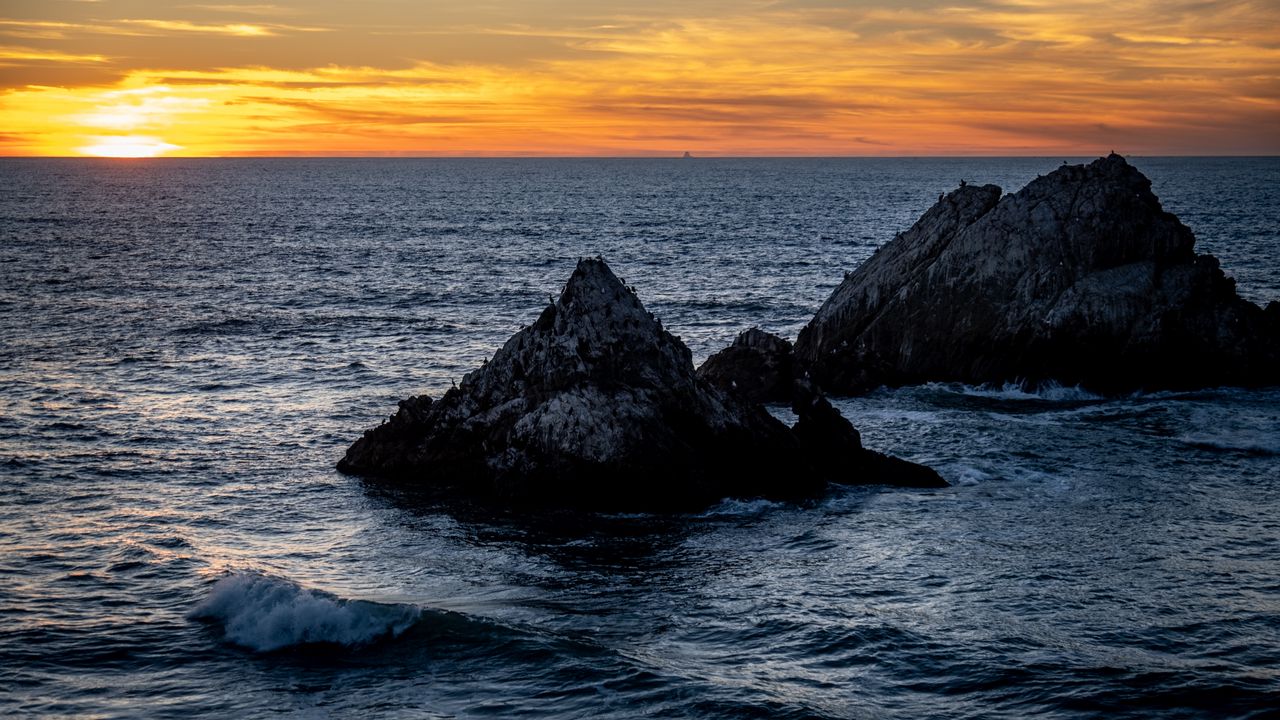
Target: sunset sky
x,y
601,77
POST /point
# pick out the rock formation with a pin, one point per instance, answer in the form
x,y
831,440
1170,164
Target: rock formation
x,y
1081,278
595,405
757,365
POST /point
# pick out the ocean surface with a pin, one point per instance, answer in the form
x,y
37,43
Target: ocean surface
x,y
188,346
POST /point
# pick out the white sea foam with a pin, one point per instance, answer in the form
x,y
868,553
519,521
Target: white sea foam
x,y
1050,391
965,475
264,613
735,507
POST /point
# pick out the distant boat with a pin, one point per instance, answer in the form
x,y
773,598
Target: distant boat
x,y
687,156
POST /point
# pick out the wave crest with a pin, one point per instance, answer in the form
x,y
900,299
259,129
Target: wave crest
x,y
737,507
1048,390
264,613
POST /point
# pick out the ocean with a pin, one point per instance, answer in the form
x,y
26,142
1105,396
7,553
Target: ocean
x,y
188,346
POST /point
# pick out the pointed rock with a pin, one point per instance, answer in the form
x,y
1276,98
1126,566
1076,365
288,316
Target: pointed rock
x,y
1080,278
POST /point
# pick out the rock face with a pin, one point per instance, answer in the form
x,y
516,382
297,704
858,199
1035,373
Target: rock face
x,y
595,405
1080,277
757,365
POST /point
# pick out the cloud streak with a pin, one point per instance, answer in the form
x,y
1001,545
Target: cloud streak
x,y
236,29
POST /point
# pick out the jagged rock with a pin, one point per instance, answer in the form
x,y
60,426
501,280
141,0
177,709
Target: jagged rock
x,y
1081,278
757,365
595,405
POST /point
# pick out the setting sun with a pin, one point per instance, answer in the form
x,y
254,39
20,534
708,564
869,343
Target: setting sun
x,y
127,146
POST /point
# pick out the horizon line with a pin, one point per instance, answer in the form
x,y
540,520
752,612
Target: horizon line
x,y
673,156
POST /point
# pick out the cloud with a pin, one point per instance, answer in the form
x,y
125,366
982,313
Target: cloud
x,y
756,76
334,114
10,54
237,29
270,10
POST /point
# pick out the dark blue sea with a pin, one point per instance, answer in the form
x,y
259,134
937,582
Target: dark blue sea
x,y
188,346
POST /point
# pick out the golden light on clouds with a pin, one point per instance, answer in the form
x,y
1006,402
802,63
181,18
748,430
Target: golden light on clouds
x,y
240,29
126,146
778,77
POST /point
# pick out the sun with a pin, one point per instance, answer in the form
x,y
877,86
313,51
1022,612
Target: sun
x,y
127,146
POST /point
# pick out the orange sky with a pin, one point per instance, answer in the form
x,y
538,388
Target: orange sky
x,y
580,77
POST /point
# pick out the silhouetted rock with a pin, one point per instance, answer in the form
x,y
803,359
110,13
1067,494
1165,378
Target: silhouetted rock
x,y
834,446
595,405
1080,277
757,365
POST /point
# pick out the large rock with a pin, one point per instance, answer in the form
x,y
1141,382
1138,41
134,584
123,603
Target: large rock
x,y
1080,277
757,365
595,405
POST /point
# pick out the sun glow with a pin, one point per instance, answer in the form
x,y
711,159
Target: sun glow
x,y
127,146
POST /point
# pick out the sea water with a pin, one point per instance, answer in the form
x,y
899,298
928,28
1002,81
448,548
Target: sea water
x,y
187,347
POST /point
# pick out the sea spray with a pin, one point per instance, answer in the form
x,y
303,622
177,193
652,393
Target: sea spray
x,y
264,613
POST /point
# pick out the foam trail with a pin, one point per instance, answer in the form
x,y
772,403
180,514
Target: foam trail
x,y
264,613
1048,390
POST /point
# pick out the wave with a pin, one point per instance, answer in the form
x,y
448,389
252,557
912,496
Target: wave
x,y
263,613
1050,391
221,326
1249,443
738,507
963,475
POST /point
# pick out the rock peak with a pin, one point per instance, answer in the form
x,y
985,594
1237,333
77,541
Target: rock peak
x,y
593,270
591,333
595,295
1112,172
593,281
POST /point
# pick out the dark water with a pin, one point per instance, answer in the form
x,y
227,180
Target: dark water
x,y
186,347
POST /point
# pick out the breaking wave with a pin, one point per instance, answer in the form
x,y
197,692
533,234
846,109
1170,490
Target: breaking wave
x,y
263,613
737,507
